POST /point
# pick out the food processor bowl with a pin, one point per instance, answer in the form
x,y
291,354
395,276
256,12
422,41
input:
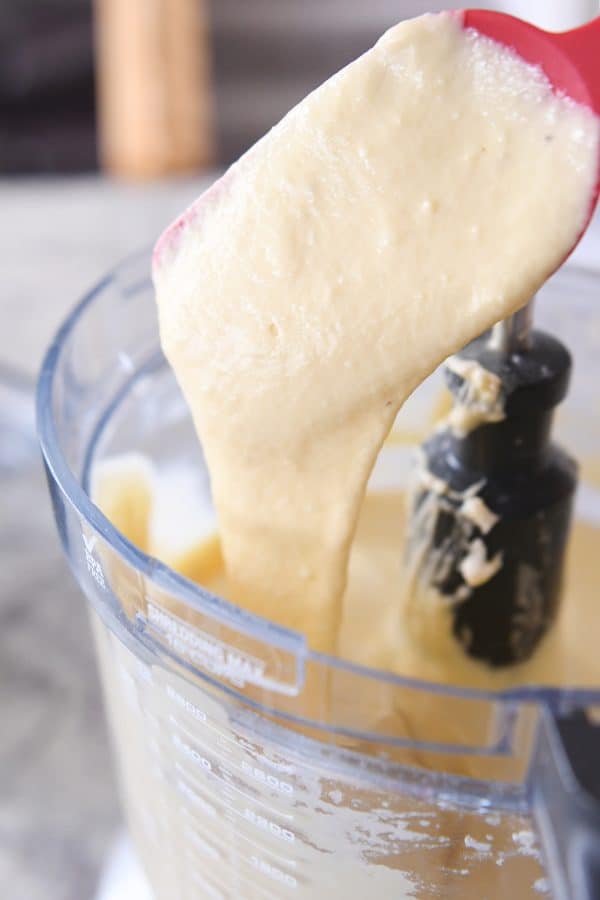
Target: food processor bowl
x,y
250,765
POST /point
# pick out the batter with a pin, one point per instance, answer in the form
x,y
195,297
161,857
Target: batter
x,y
381,626
420,195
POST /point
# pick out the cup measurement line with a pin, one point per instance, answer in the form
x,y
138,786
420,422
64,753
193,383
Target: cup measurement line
x,y
207,808
188,812
213,892
202,792
219,842
240,878
217,854
284,766
217,846
192,794
206,723
304,762
205,747
198,786
221,852
220,855
197,835
282,860
226,808
248,797
231,763
200,715
201,880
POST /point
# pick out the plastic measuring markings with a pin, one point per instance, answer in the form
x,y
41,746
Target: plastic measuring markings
x,y
237,804
234,653
234,800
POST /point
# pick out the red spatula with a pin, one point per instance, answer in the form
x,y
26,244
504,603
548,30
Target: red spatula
x,y
570,60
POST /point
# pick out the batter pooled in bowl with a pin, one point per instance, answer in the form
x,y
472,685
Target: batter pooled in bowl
x,y
164,513
421,194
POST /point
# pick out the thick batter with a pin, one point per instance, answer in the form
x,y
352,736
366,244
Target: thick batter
x,y
382,624
421,194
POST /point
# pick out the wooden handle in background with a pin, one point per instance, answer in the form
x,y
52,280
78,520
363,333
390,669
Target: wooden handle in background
x,y
154,87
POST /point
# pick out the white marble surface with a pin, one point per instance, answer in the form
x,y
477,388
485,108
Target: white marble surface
x,y
58,236
58,805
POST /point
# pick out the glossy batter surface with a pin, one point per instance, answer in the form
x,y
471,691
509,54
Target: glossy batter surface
x,y
421,194
382,624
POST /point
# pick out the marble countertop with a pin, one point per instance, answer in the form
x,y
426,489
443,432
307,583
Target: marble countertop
x,y
58,803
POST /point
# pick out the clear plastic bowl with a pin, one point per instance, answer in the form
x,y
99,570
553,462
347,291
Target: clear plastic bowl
x,y
250,765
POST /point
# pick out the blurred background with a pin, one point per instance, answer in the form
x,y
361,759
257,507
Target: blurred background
x,y
113,116
264,56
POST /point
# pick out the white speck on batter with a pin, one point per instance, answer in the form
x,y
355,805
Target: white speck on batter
x,y
526,843
480,846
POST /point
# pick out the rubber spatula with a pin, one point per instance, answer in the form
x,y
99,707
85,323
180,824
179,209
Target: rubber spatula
x,y
570,59
566,804
508,464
